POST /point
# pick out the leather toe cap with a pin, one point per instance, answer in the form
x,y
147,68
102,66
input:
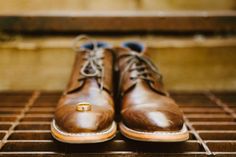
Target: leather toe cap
x,y
70,120
149,119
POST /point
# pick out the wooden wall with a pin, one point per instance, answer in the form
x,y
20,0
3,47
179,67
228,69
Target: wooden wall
x,y
102,5
187,63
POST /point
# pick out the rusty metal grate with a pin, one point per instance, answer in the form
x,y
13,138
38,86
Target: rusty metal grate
x,y
25,128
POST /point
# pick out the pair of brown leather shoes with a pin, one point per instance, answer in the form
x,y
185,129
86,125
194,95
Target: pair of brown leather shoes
x,y
85,113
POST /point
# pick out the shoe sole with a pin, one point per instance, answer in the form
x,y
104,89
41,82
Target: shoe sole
x,y
80,138
157,136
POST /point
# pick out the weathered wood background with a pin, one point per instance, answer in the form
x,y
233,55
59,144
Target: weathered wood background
x,y
187,63
101,5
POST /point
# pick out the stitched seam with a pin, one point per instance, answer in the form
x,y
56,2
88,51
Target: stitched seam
x,y
184,129
82,134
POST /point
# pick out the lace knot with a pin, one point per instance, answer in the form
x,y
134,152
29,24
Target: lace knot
x,y
93,65
143,67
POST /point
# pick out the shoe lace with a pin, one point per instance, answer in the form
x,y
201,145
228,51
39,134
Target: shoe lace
x,y
93,66
144,67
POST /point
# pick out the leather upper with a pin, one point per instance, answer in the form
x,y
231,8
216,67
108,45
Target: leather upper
x,y
107,56
97,91
145,104
122,54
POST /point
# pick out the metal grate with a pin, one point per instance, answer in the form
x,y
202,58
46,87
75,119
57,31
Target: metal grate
x,y
25,128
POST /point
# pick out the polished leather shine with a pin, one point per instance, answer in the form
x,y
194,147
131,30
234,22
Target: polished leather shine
x,y
145,105
94,92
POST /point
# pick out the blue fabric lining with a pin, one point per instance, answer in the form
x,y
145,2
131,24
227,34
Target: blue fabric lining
x,y
133,45
90,45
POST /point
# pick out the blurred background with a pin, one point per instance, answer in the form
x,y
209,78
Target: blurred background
x,y
192,42
119,5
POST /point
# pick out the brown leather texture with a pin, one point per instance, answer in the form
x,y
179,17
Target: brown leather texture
x,y
145,105
88,90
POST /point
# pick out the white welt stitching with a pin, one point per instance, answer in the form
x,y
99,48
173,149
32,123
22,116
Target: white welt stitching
x,y
183,130
83,134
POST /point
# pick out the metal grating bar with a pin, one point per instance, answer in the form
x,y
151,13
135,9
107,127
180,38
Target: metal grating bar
x,y
198,137
25,129
22,114
223,105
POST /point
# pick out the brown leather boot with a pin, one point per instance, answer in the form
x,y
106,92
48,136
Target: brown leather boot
x,y
85,112
148,113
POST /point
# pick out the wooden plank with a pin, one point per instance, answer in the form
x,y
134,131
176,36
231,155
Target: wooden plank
x,y
30,141
191,63
121,5
141,21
